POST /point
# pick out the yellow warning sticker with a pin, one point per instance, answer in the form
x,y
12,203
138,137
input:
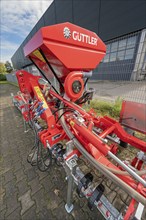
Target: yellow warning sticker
x,y
38,55
40,96
72,123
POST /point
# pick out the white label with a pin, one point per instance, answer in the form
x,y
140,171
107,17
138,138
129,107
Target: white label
x,y
77,36
84,38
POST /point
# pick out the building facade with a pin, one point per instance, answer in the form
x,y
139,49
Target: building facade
x,y
120,24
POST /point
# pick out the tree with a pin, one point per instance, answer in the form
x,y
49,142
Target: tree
x,y
2,68
8,66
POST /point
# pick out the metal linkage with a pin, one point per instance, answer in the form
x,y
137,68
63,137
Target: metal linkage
x,y
128,169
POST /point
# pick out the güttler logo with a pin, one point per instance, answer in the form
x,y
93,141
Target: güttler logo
x,y
66,32
80,37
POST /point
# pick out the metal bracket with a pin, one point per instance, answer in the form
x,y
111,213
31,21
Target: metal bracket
x,y
95,196
71,164
84,183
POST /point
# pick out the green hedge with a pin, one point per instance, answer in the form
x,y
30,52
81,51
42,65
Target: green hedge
x,y
2,77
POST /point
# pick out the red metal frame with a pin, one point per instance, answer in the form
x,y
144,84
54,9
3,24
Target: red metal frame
x,y
70,55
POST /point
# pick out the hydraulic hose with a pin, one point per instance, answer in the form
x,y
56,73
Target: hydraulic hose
x,y
137,196
125,173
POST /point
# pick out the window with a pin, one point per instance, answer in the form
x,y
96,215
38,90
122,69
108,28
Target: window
x,y
114,46
106,58
113,57
122,49
129,54
108,48
122,44
120,55
131,42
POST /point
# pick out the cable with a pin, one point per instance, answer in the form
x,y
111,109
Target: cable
x,y
85,97
86,82
41,161
35,146
62,108
63,114
44,75
67,108
51,68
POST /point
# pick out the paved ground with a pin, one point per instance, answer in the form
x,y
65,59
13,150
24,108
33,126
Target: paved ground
x,y
111,90
28,194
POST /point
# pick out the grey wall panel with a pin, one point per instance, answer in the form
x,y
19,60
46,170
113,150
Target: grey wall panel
x,y
40,24
121,17
49,16
63,11
86,14
34,30
26,60
15,59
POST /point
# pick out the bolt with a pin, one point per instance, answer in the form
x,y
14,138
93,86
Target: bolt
x,y
20,74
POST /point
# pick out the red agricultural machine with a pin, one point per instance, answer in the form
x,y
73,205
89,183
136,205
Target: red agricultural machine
x,y
64,131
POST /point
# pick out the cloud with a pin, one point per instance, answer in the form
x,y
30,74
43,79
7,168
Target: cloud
x,y
7,50
6,45
18,17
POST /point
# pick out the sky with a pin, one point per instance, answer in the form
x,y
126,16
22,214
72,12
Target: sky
x,y
17,19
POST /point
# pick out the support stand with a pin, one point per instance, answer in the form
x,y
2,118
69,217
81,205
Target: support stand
x,y
71,164
25,127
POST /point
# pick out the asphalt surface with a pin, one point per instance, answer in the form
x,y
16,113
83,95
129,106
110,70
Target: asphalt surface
x,y
127,90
